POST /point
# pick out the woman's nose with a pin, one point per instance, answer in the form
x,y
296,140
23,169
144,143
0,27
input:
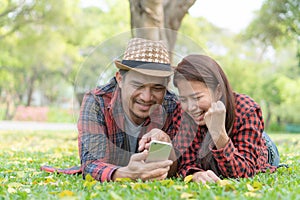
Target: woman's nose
x,y
192,105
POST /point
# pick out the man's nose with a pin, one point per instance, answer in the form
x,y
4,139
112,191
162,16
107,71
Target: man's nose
x,y
146,94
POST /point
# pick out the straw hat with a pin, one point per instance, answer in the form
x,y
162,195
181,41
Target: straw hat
x,y
147,57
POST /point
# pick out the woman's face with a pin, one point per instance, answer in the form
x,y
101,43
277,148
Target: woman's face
x,y
195,98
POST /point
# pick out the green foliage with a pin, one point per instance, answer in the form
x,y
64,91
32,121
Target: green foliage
x,y
277,20
46,46
61,115
22,153
50,47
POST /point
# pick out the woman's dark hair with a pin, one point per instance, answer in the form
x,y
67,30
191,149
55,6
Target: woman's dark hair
x,y
206,70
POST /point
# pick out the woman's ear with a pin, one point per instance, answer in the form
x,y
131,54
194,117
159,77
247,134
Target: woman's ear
x,y
119,79
218,92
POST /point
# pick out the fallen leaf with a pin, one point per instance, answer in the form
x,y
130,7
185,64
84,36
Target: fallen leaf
x,y
180,187
15,185
227,184
123,180
66,193
224,182
167,182
137,186
11,190
257,185
89,181
250,188
207,186
186,195
252,194
89,178
188,178
20,174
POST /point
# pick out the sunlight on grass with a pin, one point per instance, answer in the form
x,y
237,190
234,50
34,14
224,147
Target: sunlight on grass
x,y
22,153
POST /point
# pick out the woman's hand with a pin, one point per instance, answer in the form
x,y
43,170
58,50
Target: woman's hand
x,y
215,121
205,176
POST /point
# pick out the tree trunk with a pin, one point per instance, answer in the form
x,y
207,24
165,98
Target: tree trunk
x,y
11,100
269,114
9,103
30,89
160,18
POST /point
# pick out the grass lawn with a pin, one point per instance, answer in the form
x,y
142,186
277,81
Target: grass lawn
x,y
22,154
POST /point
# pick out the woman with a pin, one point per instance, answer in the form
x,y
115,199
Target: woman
x,y
220,132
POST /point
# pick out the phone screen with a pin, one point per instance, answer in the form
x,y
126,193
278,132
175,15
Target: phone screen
x,y
159,151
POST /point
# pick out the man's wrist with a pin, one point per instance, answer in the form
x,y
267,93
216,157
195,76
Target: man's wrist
x,y
122,172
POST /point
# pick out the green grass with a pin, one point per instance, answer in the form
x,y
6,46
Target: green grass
x,y
22,154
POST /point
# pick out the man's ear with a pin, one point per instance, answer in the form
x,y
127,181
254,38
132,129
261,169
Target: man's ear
x,y
119,79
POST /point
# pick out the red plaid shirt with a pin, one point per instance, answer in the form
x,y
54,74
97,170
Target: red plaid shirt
x,y
244,155
103,144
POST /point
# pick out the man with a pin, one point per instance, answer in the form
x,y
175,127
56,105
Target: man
x,y
118,120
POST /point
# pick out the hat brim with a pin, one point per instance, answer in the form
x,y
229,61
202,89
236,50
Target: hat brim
x,y
149,72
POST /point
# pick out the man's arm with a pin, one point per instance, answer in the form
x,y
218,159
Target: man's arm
x,y
95,152
93,142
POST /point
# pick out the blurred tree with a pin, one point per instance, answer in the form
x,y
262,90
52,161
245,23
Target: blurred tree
x,y
14,14
277,23
38,51
99,47
163,17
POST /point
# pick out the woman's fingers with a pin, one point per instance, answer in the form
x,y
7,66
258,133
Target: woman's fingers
x,y
205,176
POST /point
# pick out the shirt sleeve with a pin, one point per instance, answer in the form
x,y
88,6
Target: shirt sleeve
x,y
246,153
188,163
93,142
186,144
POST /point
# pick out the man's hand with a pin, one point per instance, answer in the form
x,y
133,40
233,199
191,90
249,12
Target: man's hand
x,y
215,121
138,169
154,134
205,176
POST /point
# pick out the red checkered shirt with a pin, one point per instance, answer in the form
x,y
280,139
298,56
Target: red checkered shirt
x,y
244,155
103,144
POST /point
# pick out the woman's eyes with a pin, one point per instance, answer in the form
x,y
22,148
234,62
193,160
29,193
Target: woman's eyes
x,y
183,100
197,98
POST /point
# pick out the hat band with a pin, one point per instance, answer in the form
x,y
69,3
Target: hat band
x,y
147,65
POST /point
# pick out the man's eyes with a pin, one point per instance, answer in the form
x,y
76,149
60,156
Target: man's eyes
x,y
159,88
137,86
156,88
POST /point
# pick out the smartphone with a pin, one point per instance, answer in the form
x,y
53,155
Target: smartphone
x,y
158,151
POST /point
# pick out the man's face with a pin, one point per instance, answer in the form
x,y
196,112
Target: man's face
x,y
139,92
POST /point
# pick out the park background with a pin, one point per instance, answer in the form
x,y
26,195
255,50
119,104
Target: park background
x,y
51,52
